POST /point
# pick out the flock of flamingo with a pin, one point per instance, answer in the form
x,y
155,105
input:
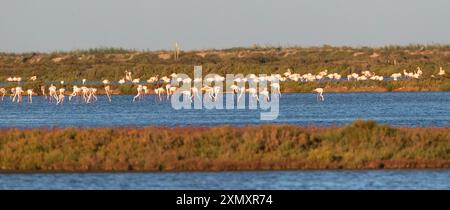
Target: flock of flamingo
x,y
88,95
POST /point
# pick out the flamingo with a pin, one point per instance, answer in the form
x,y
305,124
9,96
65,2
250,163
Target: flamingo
x,y
253,93
3,92
18,93
136,81
165,79
234,88
86,93
33,78
139,93
188,94
52,93
216,91
287,73
128,75
194,91
92,95
241,92
76,92
122,81
395,76
208,90
83,81
319,92
61,96
43,91
108,92
145,91
152,79
170,90
13,93
276,88
159,91
265,93
441,72
30,95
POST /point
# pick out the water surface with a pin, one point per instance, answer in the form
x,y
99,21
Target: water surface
x,y
399,109
370,179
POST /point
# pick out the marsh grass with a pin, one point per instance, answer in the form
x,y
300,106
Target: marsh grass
x,y
362,144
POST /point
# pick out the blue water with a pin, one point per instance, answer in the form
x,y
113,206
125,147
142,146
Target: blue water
x,y
398,109
380,179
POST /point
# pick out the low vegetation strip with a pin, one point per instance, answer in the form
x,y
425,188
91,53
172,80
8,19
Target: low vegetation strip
x,y
360,145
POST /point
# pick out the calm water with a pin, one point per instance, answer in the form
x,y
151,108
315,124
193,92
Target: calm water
x,y
383,179
399,109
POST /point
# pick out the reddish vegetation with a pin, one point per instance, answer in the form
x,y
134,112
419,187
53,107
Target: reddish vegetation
x,y
268,147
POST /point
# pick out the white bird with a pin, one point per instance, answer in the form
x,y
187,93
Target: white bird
x,y
319,92
441,72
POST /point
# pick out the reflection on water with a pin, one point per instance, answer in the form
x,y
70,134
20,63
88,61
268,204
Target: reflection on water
x,y
399,109
373,179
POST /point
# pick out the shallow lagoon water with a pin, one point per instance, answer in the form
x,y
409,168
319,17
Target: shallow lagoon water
x,y
406,109
370,179
398,109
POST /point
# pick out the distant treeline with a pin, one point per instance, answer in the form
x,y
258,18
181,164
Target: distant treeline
x,y
359,145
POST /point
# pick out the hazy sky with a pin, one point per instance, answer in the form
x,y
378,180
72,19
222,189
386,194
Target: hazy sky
x,y
48,25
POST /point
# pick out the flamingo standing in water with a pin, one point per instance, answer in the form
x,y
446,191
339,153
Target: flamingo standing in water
x,y
319,92
145,91
170,90
187,94
92,95
241,93
194,91
30,95
209,90
13,93
234,88
18,93
52,93
216,91
86,93
61,96
265,94
276,88
139,93
253,93
3,92
43,91
159,91
76,92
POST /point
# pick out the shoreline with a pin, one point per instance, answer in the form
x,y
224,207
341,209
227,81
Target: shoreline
x,y
360,145
223,171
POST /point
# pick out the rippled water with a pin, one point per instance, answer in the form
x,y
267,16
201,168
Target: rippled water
x,y
384,179
399,109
